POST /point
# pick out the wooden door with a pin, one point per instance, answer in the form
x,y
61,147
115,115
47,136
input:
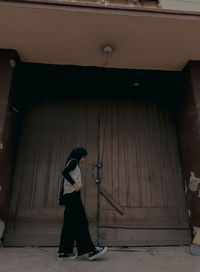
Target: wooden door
x,y
50,130
142,199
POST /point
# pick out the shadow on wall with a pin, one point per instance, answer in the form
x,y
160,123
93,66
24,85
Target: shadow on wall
x,y
193,195
2,228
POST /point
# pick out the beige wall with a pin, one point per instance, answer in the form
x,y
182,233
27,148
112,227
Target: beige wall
x,y
184,5
179,5
142,39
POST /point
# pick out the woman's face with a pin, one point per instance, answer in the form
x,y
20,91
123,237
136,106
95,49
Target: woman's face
x,y
82,159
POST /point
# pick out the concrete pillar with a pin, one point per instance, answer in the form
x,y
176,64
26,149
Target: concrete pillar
x,y
8,60
189,132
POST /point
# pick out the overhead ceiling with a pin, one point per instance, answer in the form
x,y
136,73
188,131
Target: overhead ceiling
x,y
71,35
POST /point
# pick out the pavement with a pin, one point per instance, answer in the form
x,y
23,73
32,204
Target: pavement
x,y
157,259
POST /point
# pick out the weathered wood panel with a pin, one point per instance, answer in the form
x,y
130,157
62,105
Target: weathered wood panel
x,y
141,170
143,237
50,131
141,184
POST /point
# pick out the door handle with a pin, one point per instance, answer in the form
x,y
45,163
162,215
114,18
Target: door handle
x,y
99,165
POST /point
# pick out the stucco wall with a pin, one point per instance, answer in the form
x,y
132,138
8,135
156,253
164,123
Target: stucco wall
x,y
7,121
189,131
184,5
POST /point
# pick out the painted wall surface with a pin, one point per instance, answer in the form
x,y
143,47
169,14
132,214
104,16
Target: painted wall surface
x,y
45,36
7,120
189,131
184,5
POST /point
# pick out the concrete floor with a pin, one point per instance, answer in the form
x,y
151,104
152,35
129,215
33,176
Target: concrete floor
x,y
159,259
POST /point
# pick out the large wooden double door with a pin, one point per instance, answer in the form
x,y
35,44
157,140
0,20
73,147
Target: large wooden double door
x,y
133,188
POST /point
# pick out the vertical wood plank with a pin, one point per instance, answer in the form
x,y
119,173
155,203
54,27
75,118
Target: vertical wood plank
x,y
132,128
122,157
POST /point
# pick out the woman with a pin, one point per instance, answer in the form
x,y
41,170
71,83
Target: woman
x,y
75,227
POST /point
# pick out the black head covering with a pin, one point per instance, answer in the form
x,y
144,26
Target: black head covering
x,y
77,153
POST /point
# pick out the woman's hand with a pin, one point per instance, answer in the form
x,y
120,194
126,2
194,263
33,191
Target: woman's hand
x,y
76,187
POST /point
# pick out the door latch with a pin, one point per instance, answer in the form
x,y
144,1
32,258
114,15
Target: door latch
x,y
99,165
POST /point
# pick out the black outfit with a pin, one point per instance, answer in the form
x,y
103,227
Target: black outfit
x,y
71,166
75,227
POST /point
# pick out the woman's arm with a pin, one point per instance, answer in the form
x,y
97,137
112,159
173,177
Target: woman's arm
x,y
71,166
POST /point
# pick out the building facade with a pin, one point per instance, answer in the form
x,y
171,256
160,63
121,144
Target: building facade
x,y
120,78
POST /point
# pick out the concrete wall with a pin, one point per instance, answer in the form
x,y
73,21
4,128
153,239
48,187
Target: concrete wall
x,y
7,121
183,5
189,132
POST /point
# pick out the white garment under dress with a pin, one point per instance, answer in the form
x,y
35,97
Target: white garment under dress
x,y
76,176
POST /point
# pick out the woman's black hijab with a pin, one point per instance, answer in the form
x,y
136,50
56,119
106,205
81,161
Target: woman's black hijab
x,y
77,153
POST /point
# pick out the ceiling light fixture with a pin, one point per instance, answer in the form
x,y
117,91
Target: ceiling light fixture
x,y
107,49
